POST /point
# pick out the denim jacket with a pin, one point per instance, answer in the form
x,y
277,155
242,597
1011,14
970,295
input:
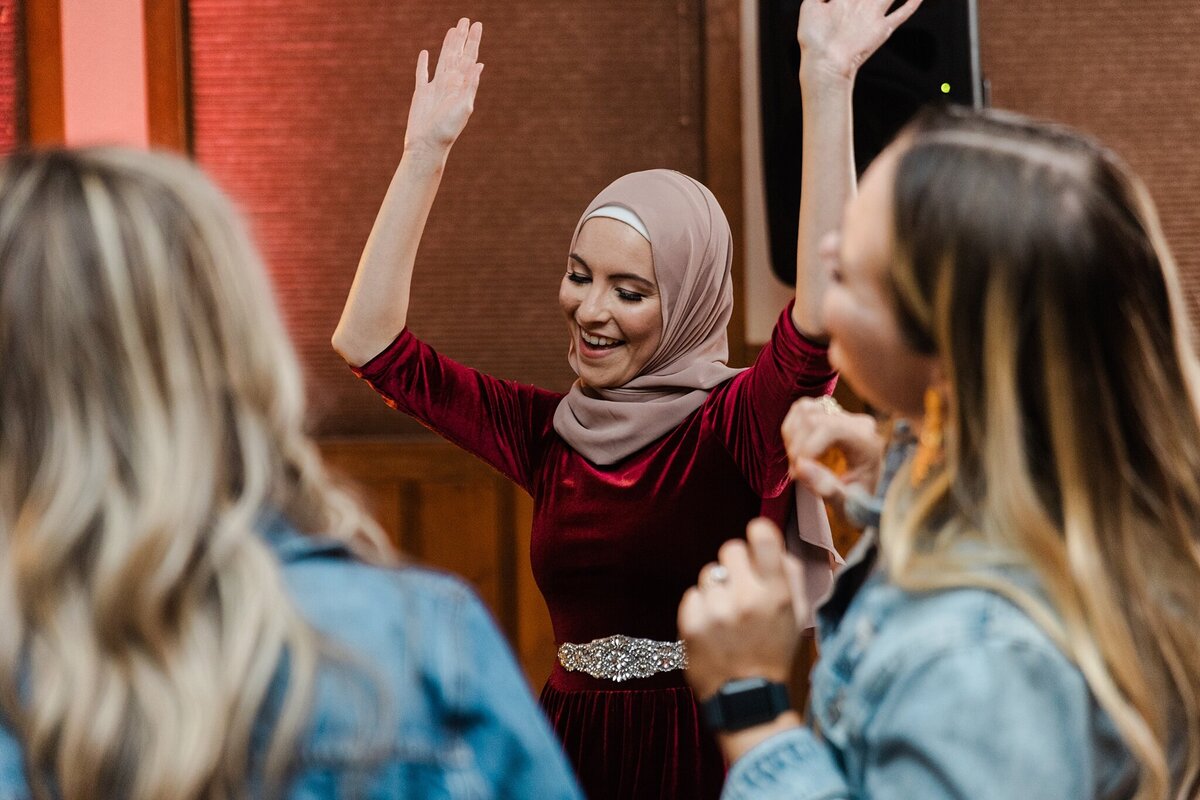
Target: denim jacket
x,y
948,694
461,722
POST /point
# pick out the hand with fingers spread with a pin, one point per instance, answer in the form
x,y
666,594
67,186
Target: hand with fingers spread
x,y
812,433
377,307
837,36
441,106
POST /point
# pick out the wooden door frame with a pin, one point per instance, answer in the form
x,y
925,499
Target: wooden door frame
x,y
721,53
168,79
45,113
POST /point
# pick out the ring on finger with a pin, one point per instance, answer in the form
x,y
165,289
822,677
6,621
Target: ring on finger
x,y
715,575
829,405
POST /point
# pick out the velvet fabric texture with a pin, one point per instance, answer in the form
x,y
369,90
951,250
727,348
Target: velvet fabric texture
x,y
615,547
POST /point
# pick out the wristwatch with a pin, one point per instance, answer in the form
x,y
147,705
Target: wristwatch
x,y
744,703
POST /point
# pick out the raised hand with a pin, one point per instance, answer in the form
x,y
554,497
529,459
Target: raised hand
x,y
440,107
377,306
837,36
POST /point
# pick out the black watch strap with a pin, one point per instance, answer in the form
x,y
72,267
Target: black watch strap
x,y
744,703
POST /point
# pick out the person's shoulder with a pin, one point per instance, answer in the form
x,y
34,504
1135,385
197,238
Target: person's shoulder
x,y
972,641
341,595
403,640
911,629
970,677
332,591
973,613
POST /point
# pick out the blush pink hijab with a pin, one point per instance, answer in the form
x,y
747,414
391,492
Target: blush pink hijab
x,y
692,250
693,254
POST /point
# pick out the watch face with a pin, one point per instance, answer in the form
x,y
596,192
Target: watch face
x,y
743,703
749,699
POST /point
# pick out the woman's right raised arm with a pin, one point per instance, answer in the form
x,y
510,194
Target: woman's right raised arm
x,y
377,307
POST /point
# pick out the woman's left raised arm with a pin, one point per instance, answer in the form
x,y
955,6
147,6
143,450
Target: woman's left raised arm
x,y
836,37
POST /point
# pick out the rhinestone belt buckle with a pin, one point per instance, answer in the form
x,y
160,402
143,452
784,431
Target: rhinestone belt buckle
x,y
619,658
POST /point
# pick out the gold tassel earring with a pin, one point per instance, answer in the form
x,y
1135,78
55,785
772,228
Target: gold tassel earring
x,y
930,452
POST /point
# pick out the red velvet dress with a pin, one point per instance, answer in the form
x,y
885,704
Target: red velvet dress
x,y
614,548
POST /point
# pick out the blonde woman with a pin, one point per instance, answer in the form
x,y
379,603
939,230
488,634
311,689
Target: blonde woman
x,y
187,610
1025,624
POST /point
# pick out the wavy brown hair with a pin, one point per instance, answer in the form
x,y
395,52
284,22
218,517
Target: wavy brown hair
x,y
1031,261
151,421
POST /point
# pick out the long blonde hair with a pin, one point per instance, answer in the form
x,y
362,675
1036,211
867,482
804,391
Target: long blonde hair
x,y
1031,261
151,421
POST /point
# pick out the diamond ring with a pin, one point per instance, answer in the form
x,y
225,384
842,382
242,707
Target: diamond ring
x,y
717,574
829,405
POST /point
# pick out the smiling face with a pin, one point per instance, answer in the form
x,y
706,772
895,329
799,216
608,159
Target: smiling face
x,y
866,342
611,302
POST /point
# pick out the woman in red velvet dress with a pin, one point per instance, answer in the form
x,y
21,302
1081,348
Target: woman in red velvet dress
x,y
659,452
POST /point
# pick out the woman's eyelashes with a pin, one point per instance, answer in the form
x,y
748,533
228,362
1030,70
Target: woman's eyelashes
x,y
627,295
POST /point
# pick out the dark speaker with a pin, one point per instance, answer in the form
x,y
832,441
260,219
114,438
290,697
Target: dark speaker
x,y
932,58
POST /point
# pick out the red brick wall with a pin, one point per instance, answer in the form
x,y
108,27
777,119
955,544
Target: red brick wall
x,y
11,104
1129,72
299,113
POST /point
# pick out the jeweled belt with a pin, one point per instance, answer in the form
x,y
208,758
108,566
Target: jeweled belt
x,y
619,658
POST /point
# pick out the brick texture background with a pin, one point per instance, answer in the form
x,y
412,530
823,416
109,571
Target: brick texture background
x,y
300,114
11,71
1128,72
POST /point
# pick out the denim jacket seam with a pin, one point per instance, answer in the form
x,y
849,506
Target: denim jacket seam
x,y
344,753
947,644
459,681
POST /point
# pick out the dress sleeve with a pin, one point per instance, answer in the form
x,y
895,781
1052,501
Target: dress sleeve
x,y
501,422
747,413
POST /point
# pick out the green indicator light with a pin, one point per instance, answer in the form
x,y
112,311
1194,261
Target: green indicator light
x,y
945,88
